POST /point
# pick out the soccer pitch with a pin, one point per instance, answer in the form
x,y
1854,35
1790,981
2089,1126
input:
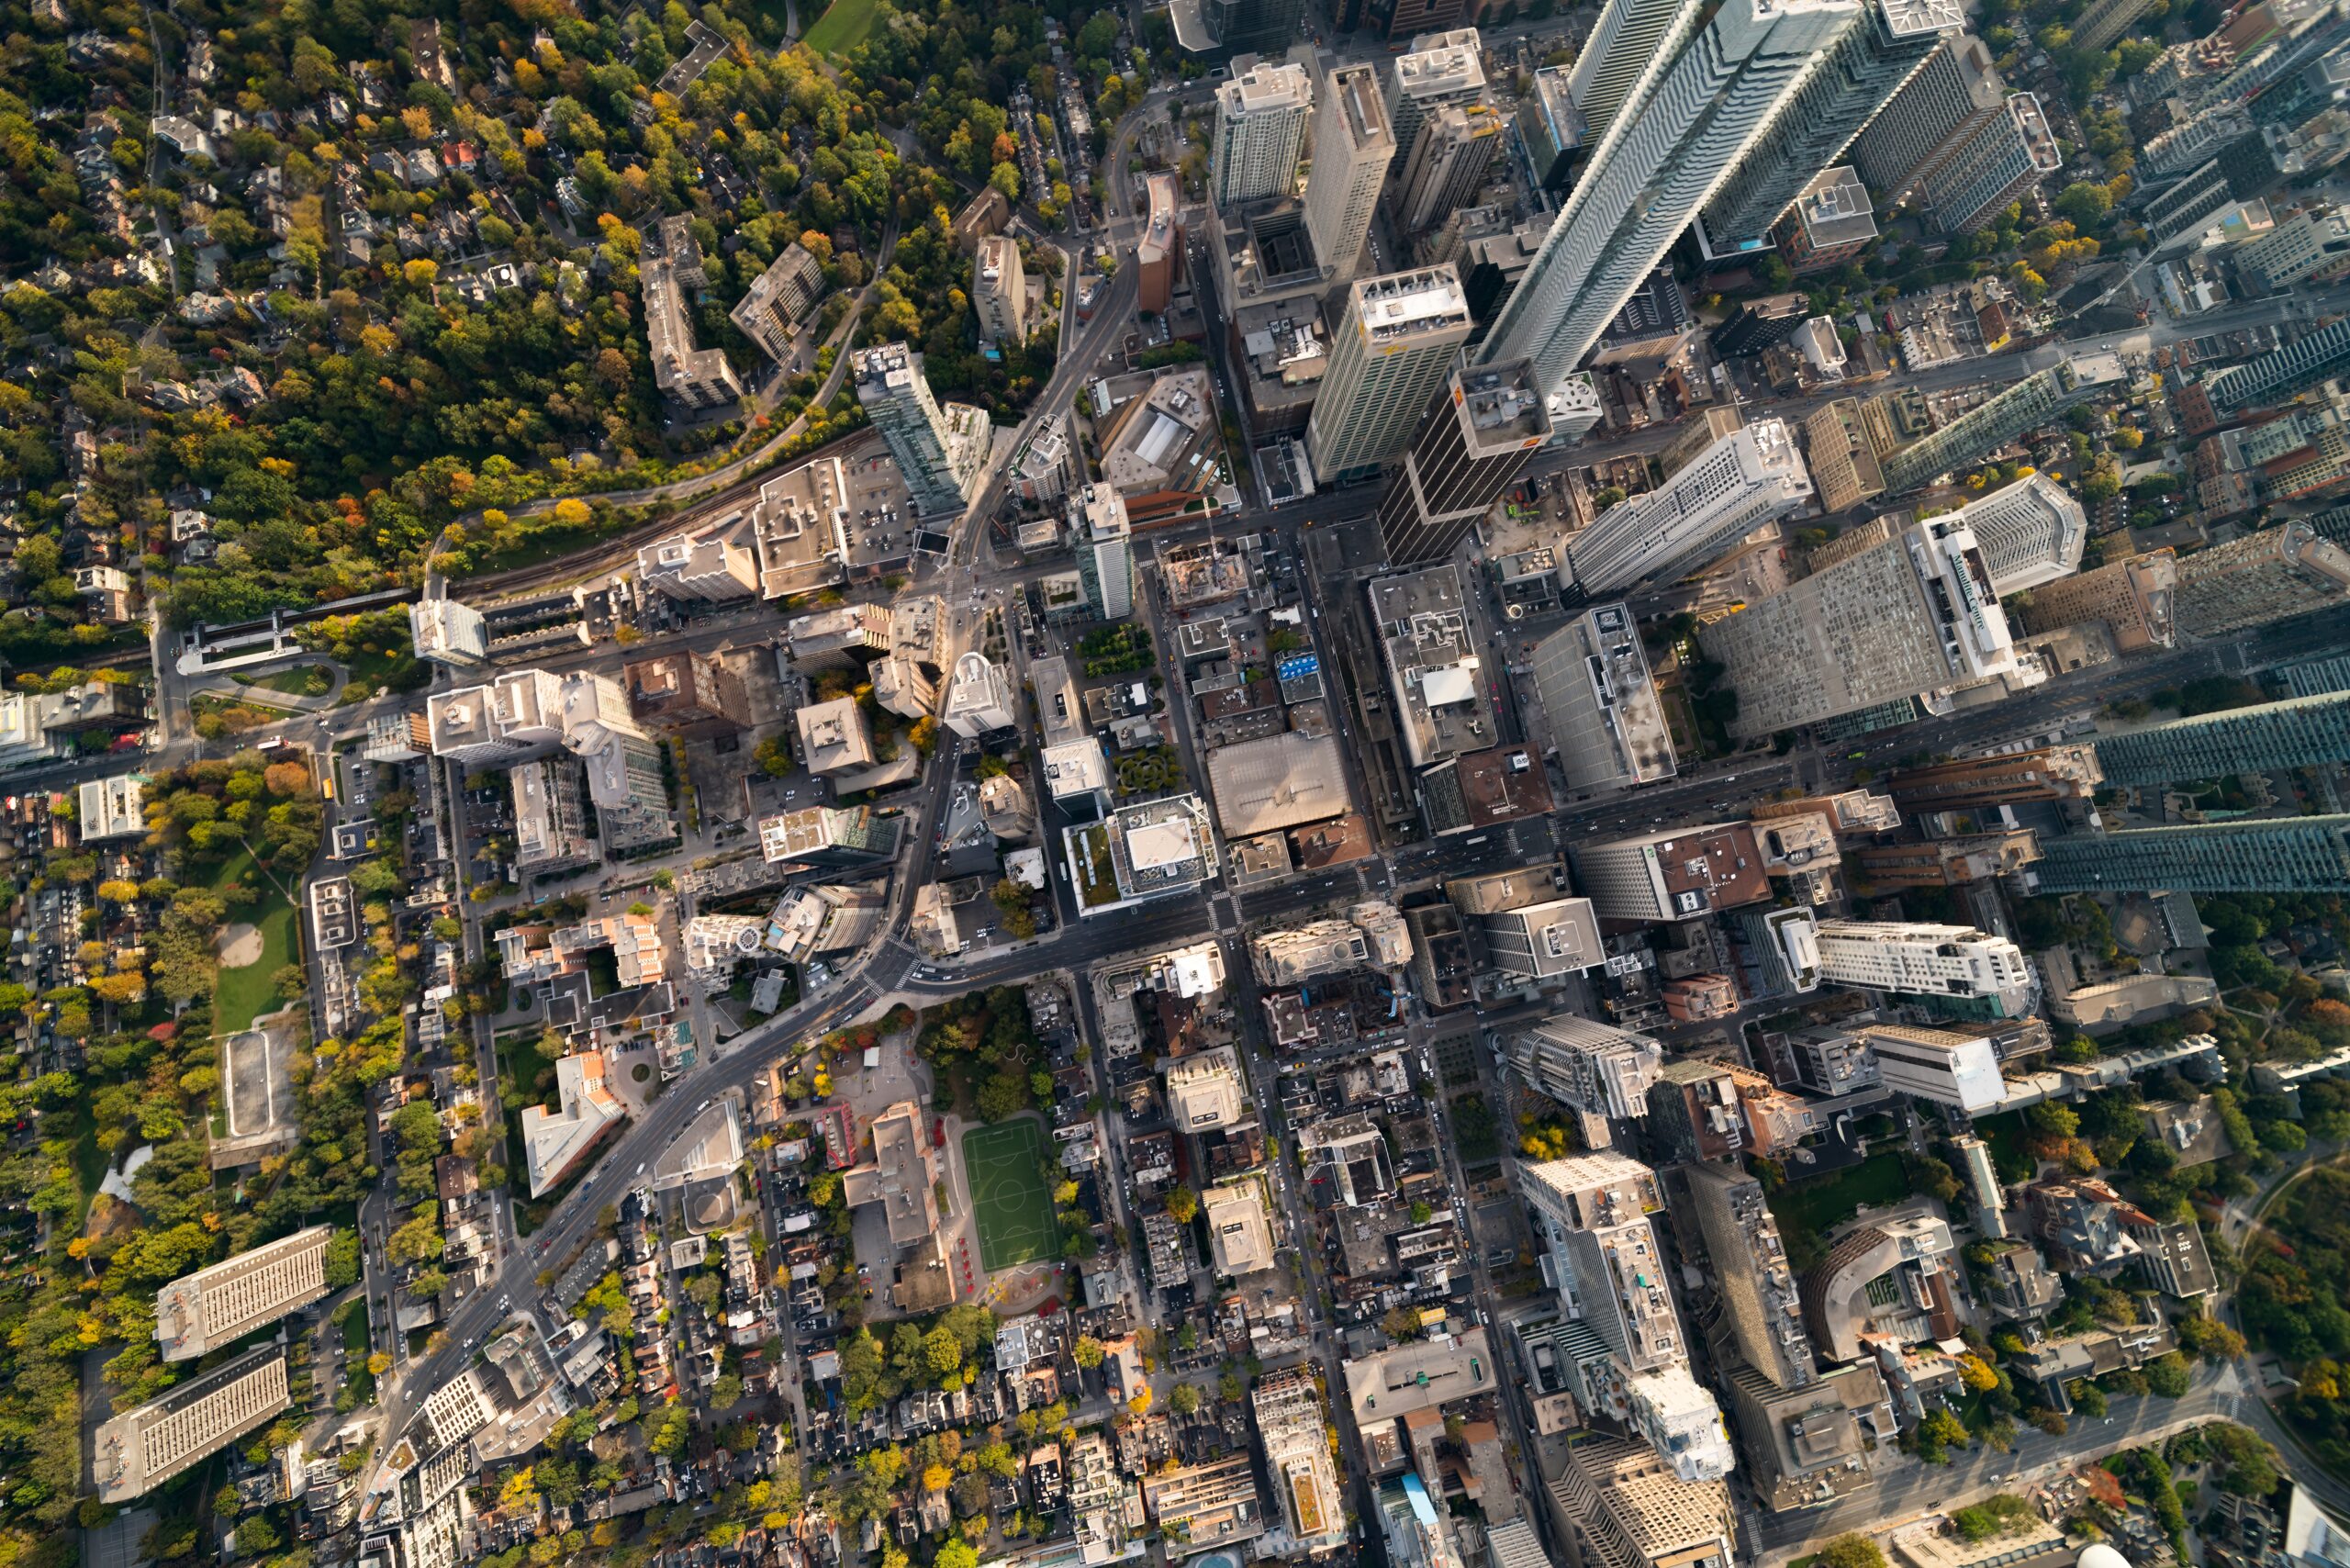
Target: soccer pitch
x,y
1008,1195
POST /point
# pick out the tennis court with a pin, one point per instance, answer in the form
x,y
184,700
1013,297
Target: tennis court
x,y
1008,1198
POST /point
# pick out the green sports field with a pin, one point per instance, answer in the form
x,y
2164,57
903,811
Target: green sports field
x,y
842,26
1008,1195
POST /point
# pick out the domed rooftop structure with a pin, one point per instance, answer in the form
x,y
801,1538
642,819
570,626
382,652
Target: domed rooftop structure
x,y
2098,1555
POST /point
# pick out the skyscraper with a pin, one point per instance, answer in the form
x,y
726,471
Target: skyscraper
x,y
2258,578
2301,731
1759,1291
2003,158
1912,615
1439,69
1448,164
1628,53
1816,122
1954,94
1586,1064
939,452
1476,438
1651,172
1388,358
2306,361
1352,147
1236,26
1607,722
2132,597
1106,556
2288,855
1746,479
2030,532
1260,133
2038,399
999,289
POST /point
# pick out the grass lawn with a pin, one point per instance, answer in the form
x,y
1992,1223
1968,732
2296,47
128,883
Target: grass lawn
x,y
245,994
1816,1207
1014,1211
844,26
300,680
357,1346
90,1162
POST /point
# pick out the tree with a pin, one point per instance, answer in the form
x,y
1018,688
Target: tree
x,y
2167,1375
1974,1371
1182,1204
956,1554
1184,1400
943,1351
1087,1351
1852,1550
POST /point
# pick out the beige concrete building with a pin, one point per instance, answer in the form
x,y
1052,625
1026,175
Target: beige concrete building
x,y
142,1448
203,1311
2130,598
1000,290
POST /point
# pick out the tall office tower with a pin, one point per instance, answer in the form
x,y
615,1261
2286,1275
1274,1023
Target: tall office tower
x,y
2005,157
1759,1291
1585,1065
2261,578
1652,172
1551,127
999,289
1620,1505
1239,27
1389,355
1629,49
1749,478
2014,778
2038,399
2132,598
2276,375
1955,93
1607,725
1158,251
1352,146
1912,615
938,452
2030,532
2105,21
1543,941
627,778
978,699
2301,246
1447,164
2288,855
1674,873
1475,440
1439,69
1260,133
1816,122
1913,958
1759,324
1843,464
214,1307
2301,731
1601,1255
145,1446
1105,551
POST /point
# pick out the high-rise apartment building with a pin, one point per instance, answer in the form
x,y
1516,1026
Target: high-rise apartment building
x,y
1388,356
709,571
2038,399
999,289
1550,128
627,777
2313,240
1902,618
1916,958
2030,532
1474,443
2302,731
1607,722
2003,158
1261,117
144,1447
450,632
1843,462
1631,45
1601,1255
1618,1504
1158,251
2014,778
1105,552
2105,21
1955,93
1439,69
1352,147
1586,1064
201,1312
778,298
1759,1292
2261,578
552,821
1859,75
1650,174
940,453
1238,27
829,838
2132,599
978,699
1448,164
2288,855
1746,479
